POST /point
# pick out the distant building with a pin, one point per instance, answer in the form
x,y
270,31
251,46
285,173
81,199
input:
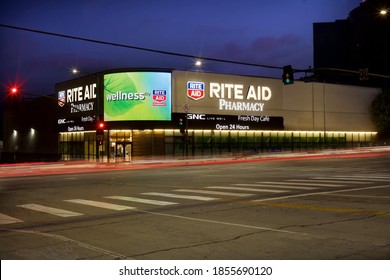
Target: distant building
x,y
29,130
359,43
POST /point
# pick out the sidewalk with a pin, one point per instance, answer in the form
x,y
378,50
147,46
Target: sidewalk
x,y
72,167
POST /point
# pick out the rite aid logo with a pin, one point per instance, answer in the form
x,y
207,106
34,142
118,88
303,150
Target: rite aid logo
x,y
159,95
61,98
195,90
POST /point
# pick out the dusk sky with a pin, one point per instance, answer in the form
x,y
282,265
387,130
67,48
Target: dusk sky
x,y
264,32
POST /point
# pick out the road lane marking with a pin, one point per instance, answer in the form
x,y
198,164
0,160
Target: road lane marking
x,y
4,219
221,223
319,193
100,204
50,210
327,209
102,251
245,189
260,184
304,184
338,181
214,192
142,200
193,197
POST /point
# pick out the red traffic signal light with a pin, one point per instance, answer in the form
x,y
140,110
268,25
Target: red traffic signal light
x,y
13,90
100,128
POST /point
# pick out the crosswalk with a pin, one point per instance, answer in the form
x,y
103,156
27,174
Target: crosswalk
x,y
100,204
120,202
50,210
142,200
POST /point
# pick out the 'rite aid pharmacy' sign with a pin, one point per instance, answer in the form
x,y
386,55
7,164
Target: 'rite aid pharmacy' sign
x,y
211,93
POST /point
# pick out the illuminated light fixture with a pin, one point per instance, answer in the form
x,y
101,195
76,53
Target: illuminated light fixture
x,y
75,70
383,12
13,90
198,63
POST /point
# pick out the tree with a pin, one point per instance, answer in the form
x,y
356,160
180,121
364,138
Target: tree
x,y
380,107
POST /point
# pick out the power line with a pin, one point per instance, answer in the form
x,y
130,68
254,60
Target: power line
x,y
138,48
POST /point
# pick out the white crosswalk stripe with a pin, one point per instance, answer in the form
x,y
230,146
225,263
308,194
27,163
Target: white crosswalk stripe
x,y
246,189
333,180
306,184
100,204
50,210
4,219
363,178
142,200
369,176
275,185
215,192
192,197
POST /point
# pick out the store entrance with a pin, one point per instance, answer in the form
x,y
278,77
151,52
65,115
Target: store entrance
x,y
122,151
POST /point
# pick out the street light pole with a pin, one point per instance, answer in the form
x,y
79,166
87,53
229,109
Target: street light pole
x,y
198,64
324,104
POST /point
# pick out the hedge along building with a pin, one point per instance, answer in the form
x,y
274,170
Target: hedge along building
x,y
151,113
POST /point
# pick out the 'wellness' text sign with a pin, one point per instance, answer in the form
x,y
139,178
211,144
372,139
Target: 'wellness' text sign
x,y
142,96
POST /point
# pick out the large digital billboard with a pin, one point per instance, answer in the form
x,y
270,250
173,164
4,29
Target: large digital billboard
x,y
137,96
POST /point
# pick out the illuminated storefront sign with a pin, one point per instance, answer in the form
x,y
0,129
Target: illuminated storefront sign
x,y
235,97
230,122
137,96
232,97
80,99
78,104
195,90
227,94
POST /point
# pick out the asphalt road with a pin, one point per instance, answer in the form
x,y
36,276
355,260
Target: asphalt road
x,y
334,208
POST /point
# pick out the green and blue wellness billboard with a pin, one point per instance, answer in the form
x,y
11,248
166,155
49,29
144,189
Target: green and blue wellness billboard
x,y
137,96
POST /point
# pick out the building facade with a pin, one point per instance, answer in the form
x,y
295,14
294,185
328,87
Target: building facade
x,y
30,130
357,44
148,114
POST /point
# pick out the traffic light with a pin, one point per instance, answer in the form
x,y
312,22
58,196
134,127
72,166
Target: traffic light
x,y
182,126
288,75
100,128
13,90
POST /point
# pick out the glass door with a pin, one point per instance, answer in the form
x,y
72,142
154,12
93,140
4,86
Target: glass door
x,y
122,151
127,152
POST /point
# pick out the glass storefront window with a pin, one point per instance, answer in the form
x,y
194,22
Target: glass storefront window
x,y
171,143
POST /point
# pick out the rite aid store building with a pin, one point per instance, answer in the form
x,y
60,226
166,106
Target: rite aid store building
x,y
155,114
